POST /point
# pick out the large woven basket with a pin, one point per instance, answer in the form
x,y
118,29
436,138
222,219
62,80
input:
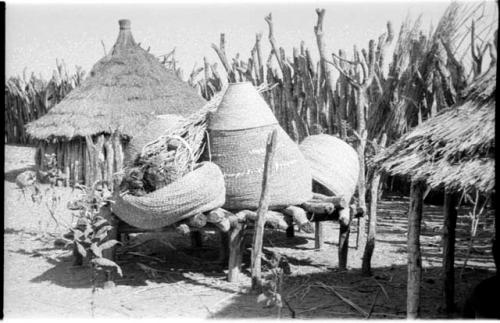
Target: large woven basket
x,y
238,133
334,164
199,191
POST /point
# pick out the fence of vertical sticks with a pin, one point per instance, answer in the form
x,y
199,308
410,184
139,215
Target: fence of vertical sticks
x,y
378,95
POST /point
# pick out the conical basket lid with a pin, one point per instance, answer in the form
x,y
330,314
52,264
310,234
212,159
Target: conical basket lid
x,y
242,107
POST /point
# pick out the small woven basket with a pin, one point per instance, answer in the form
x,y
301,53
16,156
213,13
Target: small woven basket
x,y
199,191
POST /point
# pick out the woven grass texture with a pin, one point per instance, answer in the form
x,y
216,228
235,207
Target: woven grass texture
x,y
334,163
240,153
199,191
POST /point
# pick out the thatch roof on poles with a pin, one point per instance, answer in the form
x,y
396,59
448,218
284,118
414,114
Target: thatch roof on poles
x,y
124,90
455,149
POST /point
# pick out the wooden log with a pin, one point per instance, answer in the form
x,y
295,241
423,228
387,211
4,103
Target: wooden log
x,y
338,201
300,217
197,221
319,207
290,230
109,163
118,150
218,215
182,228
372,224
318,236
362,182
345,217
261,212
76,167
88,162
220,218
414,255
450,223
326,69
273,219
235,252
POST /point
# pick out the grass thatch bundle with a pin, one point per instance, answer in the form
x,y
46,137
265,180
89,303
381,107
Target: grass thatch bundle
x,y
454,149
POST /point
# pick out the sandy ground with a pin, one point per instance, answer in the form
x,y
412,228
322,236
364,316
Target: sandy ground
x,y
40,280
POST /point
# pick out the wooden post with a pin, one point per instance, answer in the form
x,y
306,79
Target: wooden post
x,y
318,235
414,256
450,223
345,217
262,210
361,241
235,253
372,225
325,68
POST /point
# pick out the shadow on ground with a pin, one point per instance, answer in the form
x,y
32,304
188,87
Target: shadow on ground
x,y
328,294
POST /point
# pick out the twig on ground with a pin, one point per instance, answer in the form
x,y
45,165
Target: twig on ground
x,y
382,288
373,304
145,256
344,299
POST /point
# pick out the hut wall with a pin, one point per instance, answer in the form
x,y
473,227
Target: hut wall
x,y
84,163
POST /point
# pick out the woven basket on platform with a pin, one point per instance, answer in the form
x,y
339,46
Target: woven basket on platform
x,y
334,164
199,191
158,126
238,133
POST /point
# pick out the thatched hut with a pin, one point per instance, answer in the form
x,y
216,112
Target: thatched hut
x,y
125,91
455,151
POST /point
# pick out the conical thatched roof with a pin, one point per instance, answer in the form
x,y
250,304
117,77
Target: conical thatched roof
x,y
123,91
454,149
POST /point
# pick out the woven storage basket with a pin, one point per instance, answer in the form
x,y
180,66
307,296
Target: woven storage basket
x,y
154,129
199,191
238,133
334,163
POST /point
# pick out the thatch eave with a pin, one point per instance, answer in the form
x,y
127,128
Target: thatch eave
x,y
454,149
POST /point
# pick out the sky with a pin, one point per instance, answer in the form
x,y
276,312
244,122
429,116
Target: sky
x,y
38,34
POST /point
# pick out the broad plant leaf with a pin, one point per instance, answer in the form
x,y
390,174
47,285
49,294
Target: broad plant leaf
x,y
96,250
109,244
102,232
81,249
103,262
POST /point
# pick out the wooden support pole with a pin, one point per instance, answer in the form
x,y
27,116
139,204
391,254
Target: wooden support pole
x,y
372,224
319,207
235,253
450,223
262,210
414,255
299,216
345,216
318,236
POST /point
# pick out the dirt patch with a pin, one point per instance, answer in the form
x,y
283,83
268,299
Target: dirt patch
x,y
164,276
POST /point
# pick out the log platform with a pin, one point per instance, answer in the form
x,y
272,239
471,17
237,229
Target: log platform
x,y
234,226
